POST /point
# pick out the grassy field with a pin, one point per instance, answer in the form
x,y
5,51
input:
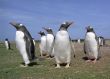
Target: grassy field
x,y
45,69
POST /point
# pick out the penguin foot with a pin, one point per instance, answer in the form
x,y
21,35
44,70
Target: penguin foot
x,y
94,61
58,66
22,65
88,61
67,66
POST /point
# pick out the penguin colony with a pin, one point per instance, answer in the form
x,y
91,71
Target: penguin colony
x,y
57,46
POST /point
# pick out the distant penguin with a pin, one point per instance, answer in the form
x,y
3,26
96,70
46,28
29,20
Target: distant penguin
x,y
63,46
91,47
50,38
24,43
43,44
7,44
79,41
101,40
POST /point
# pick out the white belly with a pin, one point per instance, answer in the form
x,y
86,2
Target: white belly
x,y
20,44
91,46
62,48
50,39
6,44
43,44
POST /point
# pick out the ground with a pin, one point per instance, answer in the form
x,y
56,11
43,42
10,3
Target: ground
x,y
45,68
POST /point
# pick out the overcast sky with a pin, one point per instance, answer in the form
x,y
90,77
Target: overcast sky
x,y
35,14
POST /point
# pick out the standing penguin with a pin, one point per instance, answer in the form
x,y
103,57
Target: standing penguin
x,y
43,44
91,47
101,40
7,44
79,40
24,43
63,46
50,38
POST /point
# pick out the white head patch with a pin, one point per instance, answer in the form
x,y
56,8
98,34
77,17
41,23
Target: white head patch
x,y
21,24
49,28
64,23
90,27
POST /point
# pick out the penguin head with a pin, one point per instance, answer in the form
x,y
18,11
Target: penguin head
x,y
6,39
65,25
89,29
17,25
48,30
41,33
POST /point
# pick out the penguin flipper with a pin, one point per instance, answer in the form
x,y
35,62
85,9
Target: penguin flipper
x,y
52,47
9,45
85,49
29,46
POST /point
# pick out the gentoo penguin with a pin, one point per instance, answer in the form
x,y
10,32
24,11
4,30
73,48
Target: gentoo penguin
x,y
101,40
7,44
43,44
63,46
91,47
50,38
79,41
24,43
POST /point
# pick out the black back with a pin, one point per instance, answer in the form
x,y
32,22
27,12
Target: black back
x,y
41,33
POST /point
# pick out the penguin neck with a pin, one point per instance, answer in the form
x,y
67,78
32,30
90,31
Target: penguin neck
x,y
43,35
92,34
92,31
62,29
50,33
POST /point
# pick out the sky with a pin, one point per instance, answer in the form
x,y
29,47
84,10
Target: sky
x,y
35,14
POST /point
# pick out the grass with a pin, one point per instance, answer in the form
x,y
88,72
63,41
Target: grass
x,y
45,69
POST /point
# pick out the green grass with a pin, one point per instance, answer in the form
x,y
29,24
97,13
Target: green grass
x,y
11,59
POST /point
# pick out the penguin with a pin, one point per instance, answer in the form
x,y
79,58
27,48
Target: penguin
x,y
50,39
24,44
91,46
63,46
7,44
79,41
43,44
101,40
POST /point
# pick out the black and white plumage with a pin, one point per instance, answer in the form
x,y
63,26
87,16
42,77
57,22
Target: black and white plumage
x,y
63,46
7,44
43,44
91,47
24,43
79,40
50,39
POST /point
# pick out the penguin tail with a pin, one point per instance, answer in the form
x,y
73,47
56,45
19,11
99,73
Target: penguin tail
x,y
74,56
